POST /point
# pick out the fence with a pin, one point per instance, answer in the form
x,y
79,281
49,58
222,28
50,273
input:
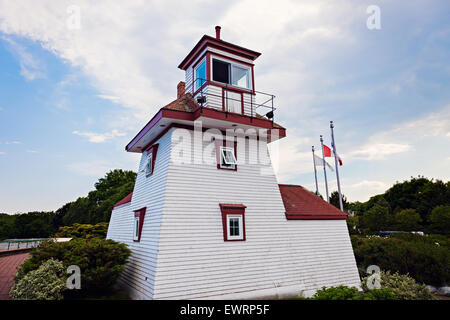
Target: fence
x,y
15,244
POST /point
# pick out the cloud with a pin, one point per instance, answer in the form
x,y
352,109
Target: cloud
x,y
100,137
30,67
13,142
2,153
378,151
110,98
31,151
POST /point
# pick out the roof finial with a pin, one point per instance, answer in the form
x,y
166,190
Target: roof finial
x,y
218,32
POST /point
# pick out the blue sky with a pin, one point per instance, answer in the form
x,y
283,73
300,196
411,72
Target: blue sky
x,y
71,99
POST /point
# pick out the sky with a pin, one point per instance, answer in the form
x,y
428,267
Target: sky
x,y
78,80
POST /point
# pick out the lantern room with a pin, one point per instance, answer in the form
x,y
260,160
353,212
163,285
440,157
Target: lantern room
x,y
220,75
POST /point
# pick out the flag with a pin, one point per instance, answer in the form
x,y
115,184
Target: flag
x,y
337,156
319,162
326,151
339,159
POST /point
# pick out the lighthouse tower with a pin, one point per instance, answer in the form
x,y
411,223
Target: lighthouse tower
x,y
207,218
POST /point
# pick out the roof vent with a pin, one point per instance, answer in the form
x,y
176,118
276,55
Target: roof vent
x,y
218,32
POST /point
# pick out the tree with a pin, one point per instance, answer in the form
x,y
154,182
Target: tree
x,y
375,219
407,220
440,219
334,200
97,206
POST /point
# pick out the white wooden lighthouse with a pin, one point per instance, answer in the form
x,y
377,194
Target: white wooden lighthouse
x,y
207,218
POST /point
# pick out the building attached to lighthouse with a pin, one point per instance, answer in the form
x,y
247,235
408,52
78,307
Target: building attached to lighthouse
x,y
207,218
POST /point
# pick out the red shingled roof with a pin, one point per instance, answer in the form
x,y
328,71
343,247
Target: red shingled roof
x,y
124,200
301,204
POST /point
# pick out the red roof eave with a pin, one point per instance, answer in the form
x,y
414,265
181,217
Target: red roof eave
x,y
208,113
301,204
219,44
124,200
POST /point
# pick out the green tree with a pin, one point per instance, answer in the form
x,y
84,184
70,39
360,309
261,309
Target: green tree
x,y
440,219
408,220
334,200
376,218
33,225
97,206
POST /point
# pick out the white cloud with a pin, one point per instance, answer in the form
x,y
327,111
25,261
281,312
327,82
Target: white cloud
x,y
2,153
30,67
13,142
31,151
110,98
100,137
378,151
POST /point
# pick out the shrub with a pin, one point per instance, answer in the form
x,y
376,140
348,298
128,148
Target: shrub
x,y
351,293
84,231
440,219
101,261
336,293
45,283
418,256
403,286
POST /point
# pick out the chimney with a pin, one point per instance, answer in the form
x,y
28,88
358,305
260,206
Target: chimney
x,y
218,32
181,87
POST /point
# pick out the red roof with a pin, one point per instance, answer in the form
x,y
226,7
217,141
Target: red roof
x,y
301,204
124,200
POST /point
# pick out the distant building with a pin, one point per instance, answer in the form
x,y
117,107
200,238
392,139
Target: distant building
x,y
207,218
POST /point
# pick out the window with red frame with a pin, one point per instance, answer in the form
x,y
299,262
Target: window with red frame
x,y
150,161
233,222
139,216
226,154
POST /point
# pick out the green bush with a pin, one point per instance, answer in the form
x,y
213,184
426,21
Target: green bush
x,y
84,231
351,293
403,286
336,293
45,283
440,219
418,256
101,261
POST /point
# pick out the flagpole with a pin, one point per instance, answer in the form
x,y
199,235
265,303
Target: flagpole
x,y
336,165
324,169
315,171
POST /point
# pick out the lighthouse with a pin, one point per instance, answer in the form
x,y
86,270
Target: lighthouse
x,y
207,218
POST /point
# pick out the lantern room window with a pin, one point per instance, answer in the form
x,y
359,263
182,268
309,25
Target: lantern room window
x,y
231,73
200,75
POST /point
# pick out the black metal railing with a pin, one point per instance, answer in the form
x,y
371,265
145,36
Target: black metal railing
x,y
258,99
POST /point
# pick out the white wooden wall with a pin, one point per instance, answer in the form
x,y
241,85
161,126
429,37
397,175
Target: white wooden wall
x,y
194,261
139,275
182,252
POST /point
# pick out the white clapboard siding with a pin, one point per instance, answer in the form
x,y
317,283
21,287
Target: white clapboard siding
x,y
139,276
182,254
194,261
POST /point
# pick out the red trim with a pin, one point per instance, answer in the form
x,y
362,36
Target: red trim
x,y
253,81
126,199
215,54
153,150
145,129
203,56
236,91
232,209
207,113
207,41
141,214
224,144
